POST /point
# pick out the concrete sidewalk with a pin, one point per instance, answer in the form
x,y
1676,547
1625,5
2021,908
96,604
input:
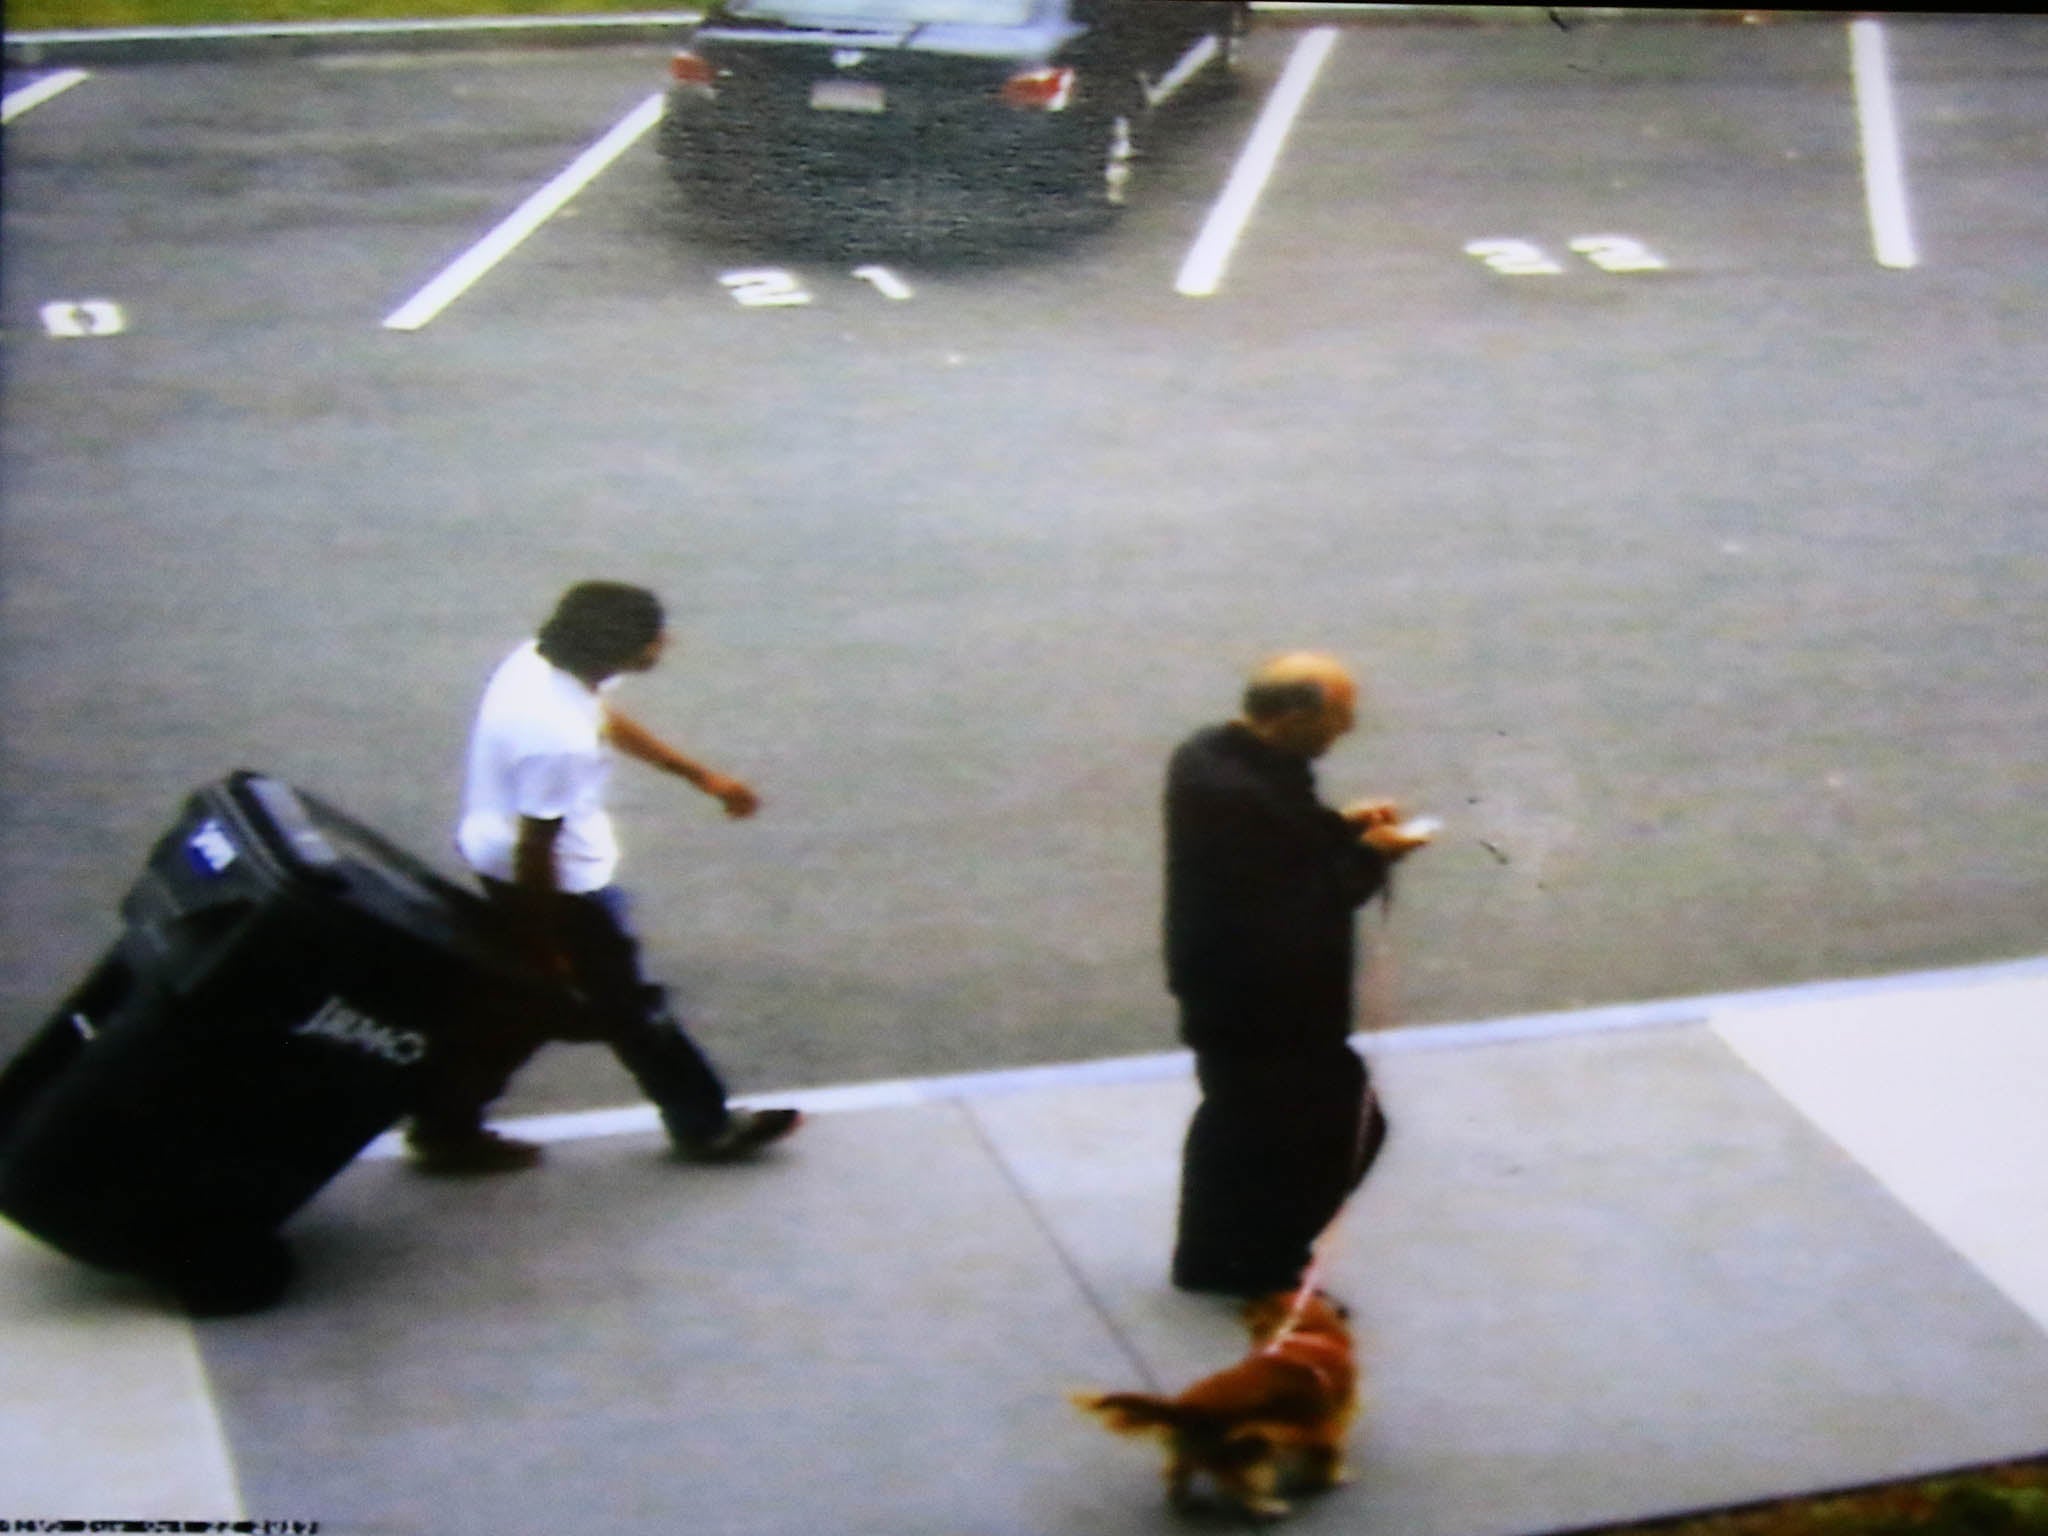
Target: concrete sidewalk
x,y
1612,1265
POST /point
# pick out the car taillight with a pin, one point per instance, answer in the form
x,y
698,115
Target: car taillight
x,y
688,69
1039,90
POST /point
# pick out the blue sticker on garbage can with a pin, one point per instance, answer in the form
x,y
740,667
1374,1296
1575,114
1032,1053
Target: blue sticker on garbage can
x,y
211,849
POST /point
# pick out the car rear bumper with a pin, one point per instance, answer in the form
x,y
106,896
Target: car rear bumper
x,y
794,153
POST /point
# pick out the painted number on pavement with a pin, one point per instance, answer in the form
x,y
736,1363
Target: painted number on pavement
x,y
1618,253
83,317
765,288
1525,258
1513,258
779,288
887,283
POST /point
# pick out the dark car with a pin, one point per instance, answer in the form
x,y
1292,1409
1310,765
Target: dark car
x,y
845,106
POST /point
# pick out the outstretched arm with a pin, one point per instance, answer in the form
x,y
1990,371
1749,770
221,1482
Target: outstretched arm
x,y
636,741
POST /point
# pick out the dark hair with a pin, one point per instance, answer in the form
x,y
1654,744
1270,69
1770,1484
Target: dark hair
x,y
599,626
1268,701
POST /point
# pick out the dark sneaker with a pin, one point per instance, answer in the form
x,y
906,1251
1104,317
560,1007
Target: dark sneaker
x,y
744,1133
478,1152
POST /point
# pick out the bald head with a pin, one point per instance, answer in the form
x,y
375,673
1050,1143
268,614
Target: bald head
x,y
1301,702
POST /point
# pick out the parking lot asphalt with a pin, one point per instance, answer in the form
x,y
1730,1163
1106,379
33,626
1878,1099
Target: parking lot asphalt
x,y
1692,554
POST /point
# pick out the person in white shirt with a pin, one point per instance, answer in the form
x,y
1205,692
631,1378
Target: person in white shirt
x,y
536,832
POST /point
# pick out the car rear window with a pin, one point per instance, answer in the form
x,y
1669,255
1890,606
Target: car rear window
x,y
971,13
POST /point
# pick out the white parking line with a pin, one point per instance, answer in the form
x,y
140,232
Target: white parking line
x,y
17,102
1202,272
1884,176
1181,73
470,267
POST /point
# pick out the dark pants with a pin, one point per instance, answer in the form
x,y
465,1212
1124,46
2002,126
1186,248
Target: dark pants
x,y
1275,1148
624,1012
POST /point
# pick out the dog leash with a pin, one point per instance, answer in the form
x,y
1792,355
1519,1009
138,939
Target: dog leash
x,y
1292,1321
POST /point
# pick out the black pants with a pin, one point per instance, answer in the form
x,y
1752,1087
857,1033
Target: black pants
x,y
1276,1147
624,1012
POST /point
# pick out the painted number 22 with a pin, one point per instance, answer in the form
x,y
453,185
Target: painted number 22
x,y
1524,258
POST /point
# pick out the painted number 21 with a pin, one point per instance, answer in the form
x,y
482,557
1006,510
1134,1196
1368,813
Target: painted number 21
x,y
1524,258
778,288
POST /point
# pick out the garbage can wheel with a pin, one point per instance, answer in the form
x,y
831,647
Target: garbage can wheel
x,y
227,1277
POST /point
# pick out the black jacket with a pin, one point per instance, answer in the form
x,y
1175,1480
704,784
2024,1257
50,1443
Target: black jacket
x,y
1263,885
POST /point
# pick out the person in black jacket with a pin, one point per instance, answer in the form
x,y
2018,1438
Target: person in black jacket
x,y
1263,885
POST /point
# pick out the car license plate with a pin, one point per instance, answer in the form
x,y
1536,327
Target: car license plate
x,y
847,96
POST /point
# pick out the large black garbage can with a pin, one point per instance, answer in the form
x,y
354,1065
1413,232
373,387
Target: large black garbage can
x,y
285,983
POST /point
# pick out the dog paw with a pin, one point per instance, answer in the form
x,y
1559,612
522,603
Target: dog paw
x,y
1268,1509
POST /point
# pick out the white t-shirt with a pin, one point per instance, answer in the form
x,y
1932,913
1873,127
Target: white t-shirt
x,y
538,750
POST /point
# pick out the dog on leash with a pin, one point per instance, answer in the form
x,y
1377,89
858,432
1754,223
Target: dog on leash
x,y
1274,1421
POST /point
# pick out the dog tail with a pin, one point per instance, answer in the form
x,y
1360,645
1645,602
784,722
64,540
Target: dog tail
x,y
1131,1413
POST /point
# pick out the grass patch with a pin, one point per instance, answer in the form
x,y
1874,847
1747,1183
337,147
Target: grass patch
x,y
2009,1499
65,15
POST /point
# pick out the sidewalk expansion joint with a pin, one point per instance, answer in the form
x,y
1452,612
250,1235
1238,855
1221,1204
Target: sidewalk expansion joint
x,y
1068,1262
